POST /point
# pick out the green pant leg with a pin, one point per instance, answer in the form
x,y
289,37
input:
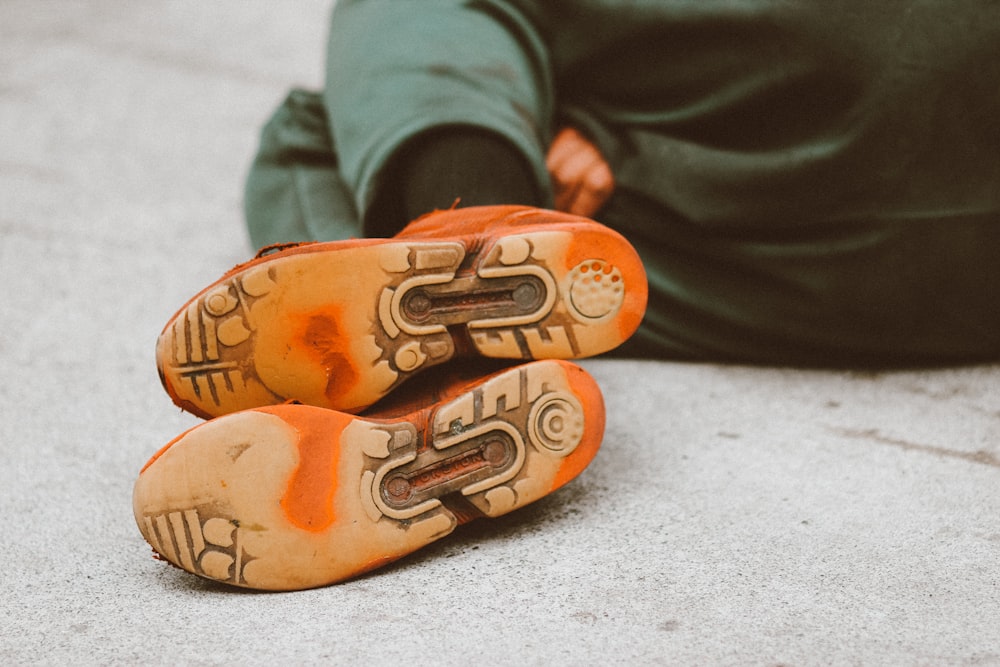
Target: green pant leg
x,y
294,191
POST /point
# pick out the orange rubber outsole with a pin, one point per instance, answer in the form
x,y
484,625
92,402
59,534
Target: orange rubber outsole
x,y
341,324
292,496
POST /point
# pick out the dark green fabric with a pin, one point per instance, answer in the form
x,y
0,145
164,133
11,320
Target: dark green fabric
x,y
809,182
294,191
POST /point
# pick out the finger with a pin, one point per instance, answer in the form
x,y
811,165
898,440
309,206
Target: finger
x,y
596,187
567,142
574,166
580,171
565,195
570,147
568,179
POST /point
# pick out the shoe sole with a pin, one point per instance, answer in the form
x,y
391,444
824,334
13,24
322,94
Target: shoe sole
x,y
340,325
293,496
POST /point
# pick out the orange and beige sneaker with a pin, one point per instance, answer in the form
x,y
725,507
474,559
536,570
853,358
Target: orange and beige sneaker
x,y
292,496
341,324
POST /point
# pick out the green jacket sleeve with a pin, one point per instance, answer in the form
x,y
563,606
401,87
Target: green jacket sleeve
x,y
396,69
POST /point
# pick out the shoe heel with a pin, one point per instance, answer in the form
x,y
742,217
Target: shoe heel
x,y
586,286
501,445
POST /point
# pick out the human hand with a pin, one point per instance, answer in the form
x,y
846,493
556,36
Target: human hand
x,y
581,178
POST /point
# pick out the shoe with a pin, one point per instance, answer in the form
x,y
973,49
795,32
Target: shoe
x,y
293,496
341,324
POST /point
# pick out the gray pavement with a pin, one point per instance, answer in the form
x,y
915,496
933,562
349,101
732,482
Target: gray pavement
x,y
734,516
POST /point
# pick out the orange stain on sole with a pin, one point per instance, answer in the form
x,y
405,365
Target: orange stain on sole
x,y
589,395
627,261
323,339
308,501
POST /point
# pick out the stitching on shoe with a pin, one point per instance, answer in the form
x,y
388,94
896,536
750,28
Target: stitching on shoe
x,y
278,247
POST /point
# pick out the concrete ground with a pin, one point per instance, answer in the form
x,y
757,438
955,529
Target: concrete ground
x,y
735,516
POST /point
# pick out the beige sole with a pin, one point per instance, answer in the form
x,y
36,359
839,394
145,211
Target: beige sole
x,y
341,325
293,496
